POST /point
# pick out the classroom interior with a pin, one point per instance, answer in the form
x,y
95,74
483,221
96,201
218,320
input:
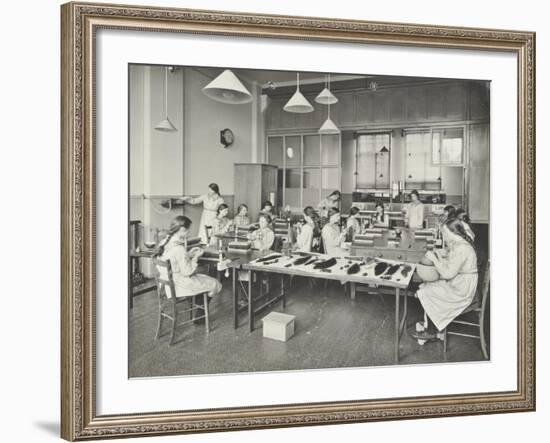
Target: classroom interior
x,y
386,136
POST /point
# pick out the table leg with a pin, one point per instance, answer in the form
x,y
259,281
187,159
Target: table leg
x,y
235,299
131,285
403,322
250,304
283,295
352,285
397,335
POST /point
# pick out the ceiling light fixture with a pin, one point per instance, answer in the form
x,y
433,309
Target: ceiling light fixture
x,y
227,88
329,127
165,125
298,103
326,97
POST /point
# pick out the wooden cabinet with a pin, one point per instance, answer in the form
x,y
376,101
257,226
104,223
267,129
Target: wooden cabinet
x,y
479,174
254,182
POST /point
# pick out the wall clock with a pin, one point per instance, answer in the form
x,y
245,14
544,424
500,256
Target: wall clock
x,y
226,137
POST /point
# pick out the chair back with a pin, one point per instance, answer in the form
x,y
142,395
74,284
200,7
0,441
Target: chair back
x,y
162,270
483,288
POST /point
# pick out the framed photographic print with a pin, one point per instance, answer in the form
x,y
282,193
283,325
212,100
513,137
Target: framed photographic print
x,y
282,221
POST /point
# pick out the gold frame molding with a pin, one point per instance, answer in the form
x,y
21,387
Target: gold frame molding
x,y
79,22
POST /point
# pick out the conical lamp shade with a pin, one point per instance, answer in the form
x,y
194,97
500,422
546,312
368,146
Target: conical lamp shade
x,y
165,125
298,104
329,127
227,88
326,97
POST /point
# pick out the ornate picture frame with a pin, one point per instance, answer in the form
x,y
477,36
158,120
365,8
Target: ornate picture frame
x,y
80,22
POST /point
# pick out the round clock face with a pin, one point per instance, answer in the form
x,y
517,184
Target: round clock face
x,y
227,137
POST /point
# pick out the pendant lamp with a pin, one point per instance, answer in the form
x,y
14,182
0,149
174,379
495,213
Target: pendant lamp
x,y
165,125
298,103
328,126
227,88
326,97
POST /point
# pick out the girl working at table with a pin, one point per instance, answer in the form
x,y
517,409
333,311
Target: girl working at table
x,y
263,237
242,219
332,236
221,225
414,212
304,240
184,262
444,299
381,219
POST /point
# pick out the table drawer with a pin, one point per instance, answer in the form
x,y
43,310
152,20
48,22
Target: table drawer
x,y
390,254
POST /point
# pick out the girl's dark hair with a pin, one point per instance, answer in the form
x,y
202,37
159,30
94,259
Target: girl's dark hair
x,y
338,193
242,205
354,210
450,209
333,211
454,224
381,205
415,192
214,188
266,216
221,207
177,223
462,215
267,203
308,210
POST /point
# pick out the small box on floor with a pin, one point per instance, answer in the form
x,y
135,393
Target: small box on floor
x,y
278,326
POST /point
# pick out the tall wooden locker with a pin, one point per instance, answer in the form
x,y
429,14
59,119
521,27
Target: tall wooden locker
x,y
254,184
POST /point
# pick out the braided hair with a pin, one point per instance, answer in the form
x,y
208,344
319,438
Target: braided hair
x,y
177,223
455,225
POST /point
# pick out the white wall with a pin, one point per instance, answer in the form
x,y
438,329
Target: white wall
x,y
29,375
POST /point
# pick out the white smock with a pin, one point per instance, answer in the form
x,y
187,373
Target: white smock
x,y
445,299
209,212
184,265
332,238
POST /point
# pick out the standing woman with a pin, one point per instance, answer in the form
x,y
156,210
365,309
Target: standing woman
x,y
184,262
414,212
444,299
211,200
331,201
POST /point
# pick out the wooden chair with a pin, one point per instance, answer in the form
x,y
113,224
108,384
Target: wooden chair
x,y
166,291
478,306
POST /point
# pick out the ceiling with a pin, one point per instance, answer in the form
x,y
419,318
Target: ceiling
x,y
278,83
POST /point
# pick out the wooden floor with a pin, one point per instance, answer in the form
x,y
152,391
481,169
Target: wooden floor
x,y
331,331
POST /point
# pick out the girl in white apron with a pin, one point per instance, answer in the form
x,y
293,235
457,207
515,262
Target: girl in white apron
x,y
445,299
221,224
184,263
210,201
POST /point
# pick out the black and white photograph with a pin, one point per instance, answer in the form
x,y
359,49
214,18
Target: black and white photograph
x,y
283,220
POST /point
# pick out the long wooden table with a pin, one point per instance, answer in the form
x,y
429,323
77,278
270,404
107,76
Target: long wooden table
x,y
339,273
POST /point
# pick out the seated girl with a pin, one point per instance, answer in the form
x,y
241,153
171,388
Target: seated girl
x,y
332,236
267,208
221,224
463,216
381,219
184,263
304,240
262,238
242,219
444,299
352,223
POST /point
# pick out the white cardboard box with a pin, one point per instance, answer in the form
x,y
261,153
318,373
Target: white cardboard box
x,y
278,326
